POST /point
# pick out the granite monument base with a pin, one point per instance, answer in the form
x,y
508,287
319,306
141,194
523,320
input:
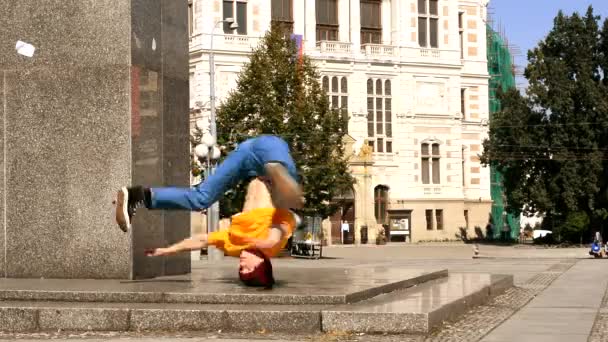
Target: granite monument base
x,y
93,96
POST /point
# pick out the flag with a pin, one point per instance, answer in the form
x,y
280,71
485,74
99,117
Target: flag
x,y
298,40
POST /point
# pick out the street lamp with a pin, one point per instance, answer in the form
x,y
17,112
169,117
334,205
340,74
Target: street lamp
x,y
207,151
213,214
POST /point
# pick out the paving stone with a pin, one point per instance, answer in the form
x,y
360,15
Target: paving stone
x,y
542,280
274,321
599,333
83,319
515,297
176,320
473,325
18,320
478,322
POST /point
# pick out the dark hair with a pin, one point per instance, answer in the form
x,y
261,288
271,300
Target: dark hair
x,y
262,275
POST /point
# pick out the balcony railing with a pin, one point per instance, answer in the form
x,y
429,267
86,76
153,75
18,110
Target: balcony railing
x,y
223,42
380,50
334,47
413,54
240,43
434,53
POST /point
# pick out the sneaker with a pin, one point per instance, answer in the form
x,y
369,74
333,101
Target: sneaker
x,y
127,202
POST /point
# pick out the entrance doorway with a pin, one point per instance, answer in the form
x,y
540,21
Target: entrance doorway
x,y
346,214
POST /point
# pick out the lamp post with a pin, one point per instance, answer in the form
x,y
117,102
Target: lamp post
x,y
213,215
208,153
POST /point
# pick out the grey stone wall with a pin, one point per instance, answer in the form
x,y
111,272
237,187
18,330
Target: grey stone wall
x,y
102,103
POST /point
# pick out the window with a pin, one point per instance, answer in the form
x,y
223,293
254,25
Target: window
x,y
439,218
371,22
463,102
381,203
463,165
466,219
337,95
190,17
282,14
461,33
240,8
429,219
430,163
379,115
428,23
327,19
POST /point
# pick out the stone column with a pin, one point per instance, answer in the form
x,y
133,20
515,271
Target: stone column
x,y
310,26
355,25
102,102
344,20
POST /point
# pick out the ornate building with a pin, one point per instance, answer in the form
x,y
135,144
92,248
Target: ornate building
x,y
412,75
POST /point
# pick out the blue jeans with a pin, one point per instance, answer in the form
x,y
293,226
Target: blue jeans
x,y
247,160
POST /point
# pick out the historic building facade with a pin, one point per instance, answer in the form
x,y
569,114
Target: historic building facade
x,y
412,75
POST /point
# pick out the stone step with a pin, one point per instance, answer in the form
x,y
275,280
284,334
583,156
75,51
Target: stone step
x,y
315,286
26,316
415,310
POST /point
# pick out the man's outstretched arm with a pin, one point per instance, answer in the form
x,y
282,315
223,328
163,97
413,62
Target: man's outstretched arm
x,y
193,243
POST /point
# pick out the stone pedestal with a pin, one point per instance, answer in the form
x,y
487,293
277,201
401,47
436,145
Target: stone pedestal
x,y
103,102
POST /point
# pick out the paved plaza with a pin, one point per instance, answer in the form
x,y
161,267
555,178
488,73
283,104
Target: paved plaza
x,y
558,294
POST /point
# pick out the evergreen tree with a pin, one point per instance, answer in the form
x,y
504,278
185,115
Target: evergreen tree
x,y
552,143
279,93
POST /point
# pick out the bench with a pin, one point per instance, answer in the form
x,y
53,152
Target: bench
x,y
308,249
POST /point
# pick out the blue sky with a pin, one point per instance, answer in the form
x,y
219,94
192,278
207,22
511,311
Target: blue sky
x,y
525,22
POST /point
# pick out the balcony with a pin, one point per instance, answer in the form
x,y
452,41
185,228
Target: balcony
x,y
410,54
433,53
225,42
334,47
380,50
326,48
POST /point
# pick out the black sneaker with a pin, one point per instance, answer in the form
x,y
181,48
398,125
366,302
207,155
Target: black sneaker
x,y
127,202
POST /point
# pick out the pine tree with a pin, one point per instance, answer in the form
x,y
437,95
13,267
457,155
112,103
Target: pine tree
x,y
552,144
279,93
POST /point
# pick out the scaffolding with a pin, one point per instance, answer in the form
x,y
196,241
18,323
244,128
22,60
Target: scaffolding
x,y
502,71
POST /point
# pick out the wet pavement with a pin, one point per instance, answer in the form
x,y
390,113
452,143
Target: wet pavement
x,y
538,273
221,286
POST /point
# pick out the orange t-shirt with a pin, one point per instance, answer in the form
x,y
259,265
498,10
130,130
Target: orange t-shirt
x,y
253,224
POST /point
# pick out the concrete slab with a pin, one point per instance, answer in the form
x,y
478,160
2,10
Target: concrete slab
x,y
531,337
549,321
412,310
565,311
416,310
221,286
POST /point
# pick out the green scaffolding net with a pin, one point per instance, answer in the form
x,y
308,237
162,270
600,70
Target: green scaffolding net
x,y
500,69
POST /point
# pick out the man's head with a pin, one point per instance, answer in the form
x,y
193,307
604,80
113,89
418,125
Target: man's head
x,y
255,269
